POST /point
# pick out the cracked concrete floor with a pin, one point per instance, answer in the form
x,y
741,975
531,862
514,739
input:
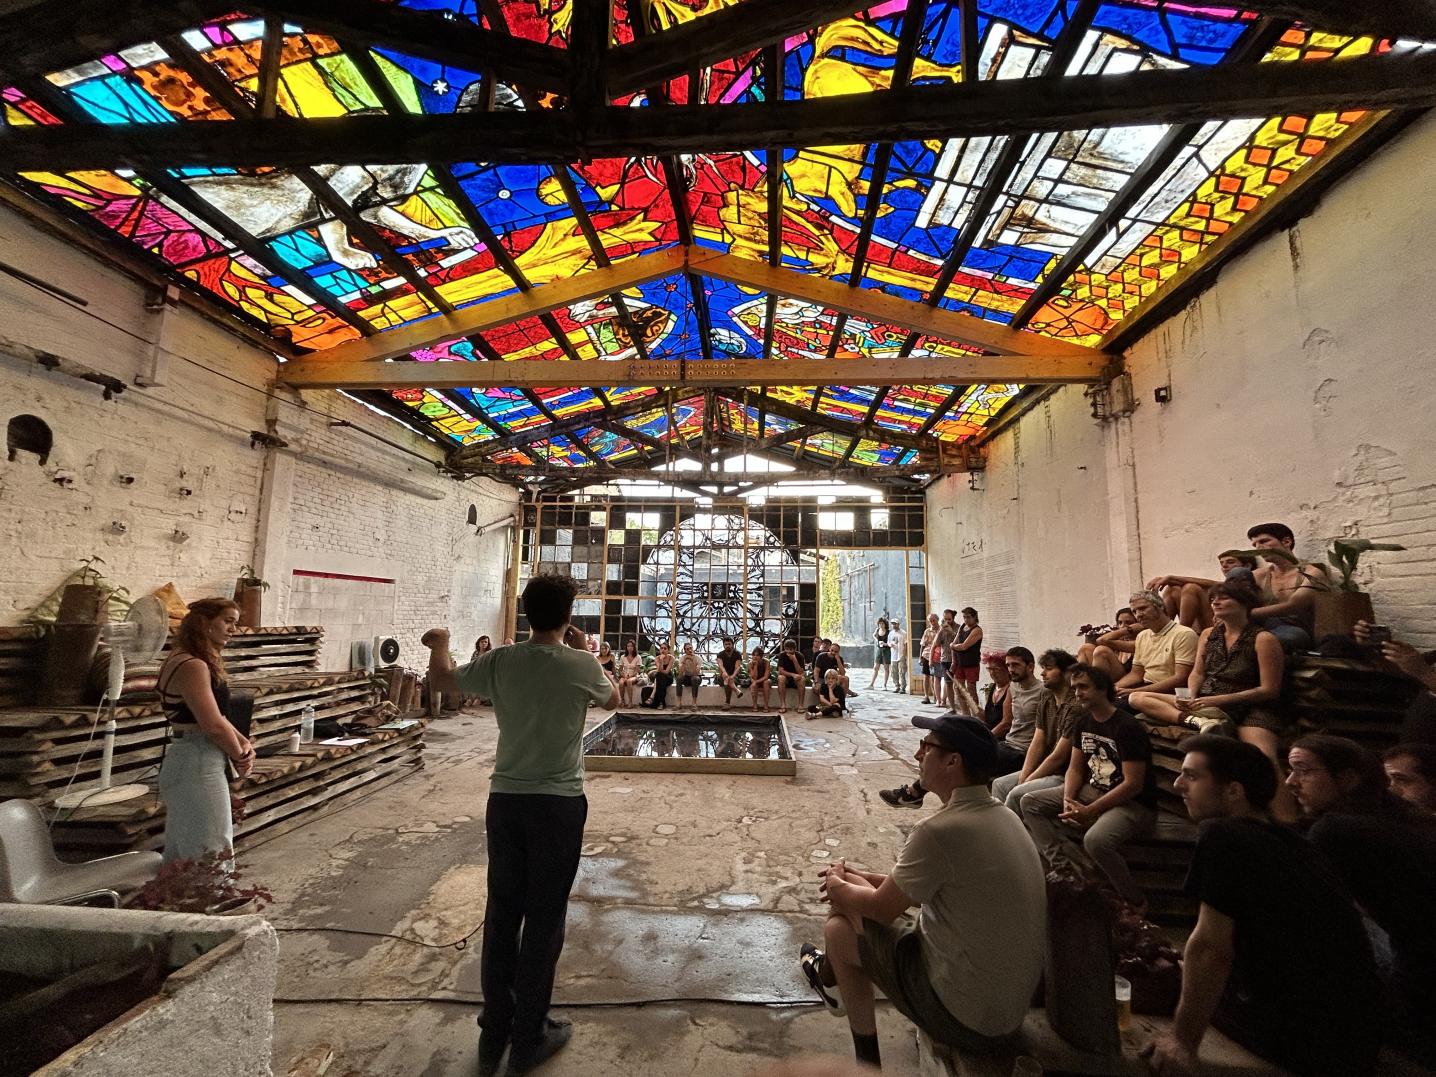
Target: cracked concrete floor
x,y
692,898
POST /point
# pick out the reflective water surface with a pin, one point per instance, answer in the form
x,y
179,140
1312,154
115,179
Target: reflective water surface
x,y
706,739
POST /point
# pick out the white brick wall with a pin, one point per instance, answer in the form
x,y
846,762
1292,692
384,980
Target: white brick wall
x,y
351,504
1299,393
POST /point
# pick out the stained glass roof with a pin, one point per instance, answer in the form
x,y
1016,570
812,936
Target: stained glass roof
x,y
1061,234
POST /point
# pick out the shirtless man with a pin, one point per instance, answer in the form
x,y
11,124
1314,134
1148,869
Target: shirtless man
x,y
1289,588
1186,596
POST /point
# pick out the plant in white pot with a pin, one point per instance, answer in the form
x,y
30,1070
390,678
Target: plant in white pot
x,y
1339,608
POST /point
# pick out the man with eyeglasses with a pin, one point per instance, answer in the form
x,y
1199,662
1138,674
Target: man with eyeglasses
x,y
1279,959
965,971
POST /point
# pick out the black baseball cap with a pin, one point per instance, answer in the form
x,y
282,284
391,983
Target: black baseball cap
x,y
969,737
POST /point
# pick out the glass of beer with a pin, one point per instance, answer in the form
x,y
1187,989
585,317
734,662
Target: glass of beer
x,y
1122,990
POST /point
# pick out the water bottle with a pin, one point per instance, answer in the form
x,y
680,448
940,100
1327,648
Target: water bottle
x,y
306,725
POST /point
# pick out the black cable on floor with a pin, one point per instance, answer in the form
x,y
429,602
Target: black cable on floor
x,y
460,944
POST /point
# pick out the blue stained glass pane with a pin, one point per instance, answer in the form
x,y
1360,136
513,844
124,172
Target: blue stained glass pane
x,y
115,99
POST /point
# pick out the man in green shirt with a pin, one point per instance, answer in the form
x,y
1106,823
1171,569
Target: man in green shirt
x,y
534,821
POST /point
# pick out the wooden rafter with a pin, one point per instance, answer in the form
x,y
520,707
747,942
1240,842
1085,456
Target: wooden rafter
x,y
696,374
600,473
563,426
987,108
454,41
828,424
575,437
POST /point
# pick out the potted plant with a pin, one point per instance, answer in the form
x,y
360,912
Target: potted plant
x,y
248,591
209,884
72,615
1339,607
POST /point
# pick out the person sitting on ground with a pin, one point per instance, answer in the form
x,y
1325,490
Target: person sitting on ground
x,y
1046,760
1112,651
1019,710
1251,967
1186,597
912,794
822,662
835,651
928,659
1237,675
966,658
832,698
882,652
1108,797
690,675
964,973
630,669
1411,774
790,675
662,676
758,678
1384,850
1289,588
1419,724
729,660
1164,651
897,640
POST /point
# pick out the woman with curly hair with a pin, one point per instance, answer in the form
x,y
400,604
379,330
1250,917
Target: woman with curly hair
x,y
194,694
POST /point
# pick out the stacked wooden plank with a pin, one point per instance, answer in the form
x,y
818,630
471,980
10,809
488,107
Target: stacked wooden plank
x,y
1349,698
282,791
22,656
257,652
41,748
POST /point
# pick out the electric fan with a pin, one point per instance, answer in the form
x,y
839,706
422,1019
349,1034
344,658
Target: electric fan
x,y
135,641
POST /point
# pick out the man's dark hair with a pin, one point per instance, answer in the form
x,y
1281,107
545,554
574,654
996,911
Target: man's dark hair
x,y
1342,756
1232,760
1280,532
1424,756
1099,678
548,601
1057,658
1020,652
1125,609
727,639
1241,555
1239,587
970,611
790,645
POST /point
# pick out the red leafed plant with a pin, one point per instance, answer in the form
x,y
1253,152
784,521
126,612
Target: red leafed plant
x,y
209,883
1094,630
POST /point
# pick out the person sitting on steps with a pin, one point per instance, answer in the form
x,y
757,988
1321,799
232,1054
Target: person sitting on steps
x,y
758,679
1186,597
1112,651
790,675
690,675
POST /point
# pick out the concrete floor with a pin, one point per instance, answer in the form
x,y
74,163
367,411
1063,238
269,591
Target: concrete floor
x,y
693,896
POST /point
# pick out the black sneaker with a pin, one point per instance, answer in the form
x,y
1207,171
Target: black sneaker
x,y
901,797
527,1057
812,960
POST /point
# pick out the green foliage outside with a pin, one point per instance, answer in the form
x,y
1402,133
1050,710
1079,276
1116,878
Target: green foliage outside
x,y
830,599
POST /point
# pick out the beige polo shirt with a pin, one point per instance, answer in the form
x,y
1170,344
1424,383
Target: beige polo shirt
x,y
1159,653
983,922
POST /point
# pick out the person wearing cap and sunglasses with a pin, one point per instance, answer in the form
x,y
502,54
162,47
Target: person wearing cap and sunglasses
x,y
965,970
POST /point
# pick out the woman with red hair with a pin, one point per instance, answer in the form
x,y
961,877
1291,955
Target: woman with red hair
x,y
194,693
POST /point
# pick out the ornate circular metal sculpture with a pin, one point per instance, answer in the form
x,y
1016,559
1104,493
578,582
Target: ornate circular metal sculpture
x,y
717,575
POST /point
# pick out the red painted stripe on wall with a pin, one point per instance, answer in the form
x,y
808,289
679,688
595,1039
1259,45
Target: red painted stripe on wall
x,y
339,576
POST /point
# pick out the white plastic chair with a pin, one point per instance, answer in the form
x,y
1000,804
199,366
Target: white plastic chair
x,y
31,873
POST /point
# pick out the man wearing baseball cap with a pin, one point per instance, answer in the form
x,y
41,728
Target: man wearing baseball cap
x,y
965,970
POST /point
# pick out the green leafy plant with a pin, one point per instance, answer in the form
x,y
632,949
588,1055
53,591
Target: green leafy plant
x,y
246,573
117,598
1345,553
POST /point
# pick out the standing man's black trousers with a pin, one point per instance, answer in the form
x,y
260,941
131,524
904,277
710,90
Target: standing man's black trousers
x,y
534,846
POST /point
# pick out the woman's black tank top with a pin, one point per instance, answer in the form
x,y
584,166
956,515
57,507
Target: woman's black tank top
x,y
177,710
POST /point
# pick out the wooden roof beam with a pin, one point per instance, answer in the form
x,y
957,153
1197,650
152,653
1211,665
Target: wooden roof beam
x,y
988,108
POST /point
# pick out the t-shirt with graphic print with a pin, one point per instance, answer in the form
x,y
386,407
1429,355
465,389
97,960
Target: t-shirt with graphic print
x,y
1107,745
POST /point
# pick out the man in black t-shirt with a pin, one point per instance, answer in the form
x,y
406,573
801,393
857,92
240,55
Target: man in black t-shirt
x,y
1279,959
790,675
729,659
824,661
1107,798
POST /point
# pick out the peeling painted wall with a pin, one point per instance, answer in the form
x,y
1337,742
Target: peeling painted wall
x,y
1300,393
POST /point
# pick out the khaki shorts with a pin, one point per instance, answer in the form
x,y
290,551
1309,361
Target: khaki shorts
x,y
892,957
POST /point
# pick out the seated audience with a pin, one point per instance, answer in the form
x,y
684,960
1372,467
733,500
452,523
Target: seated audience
x,y
630,670
1289,588
823,661
836,651
690,674
758,678
1419,726
729,659
1163,653
790,675
662,676
964,973
1112,653
927,658
1019,710
1411,774
1186,598
832,697
897,640
1046,760
605,662
1279,959
1108,797
1384,850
